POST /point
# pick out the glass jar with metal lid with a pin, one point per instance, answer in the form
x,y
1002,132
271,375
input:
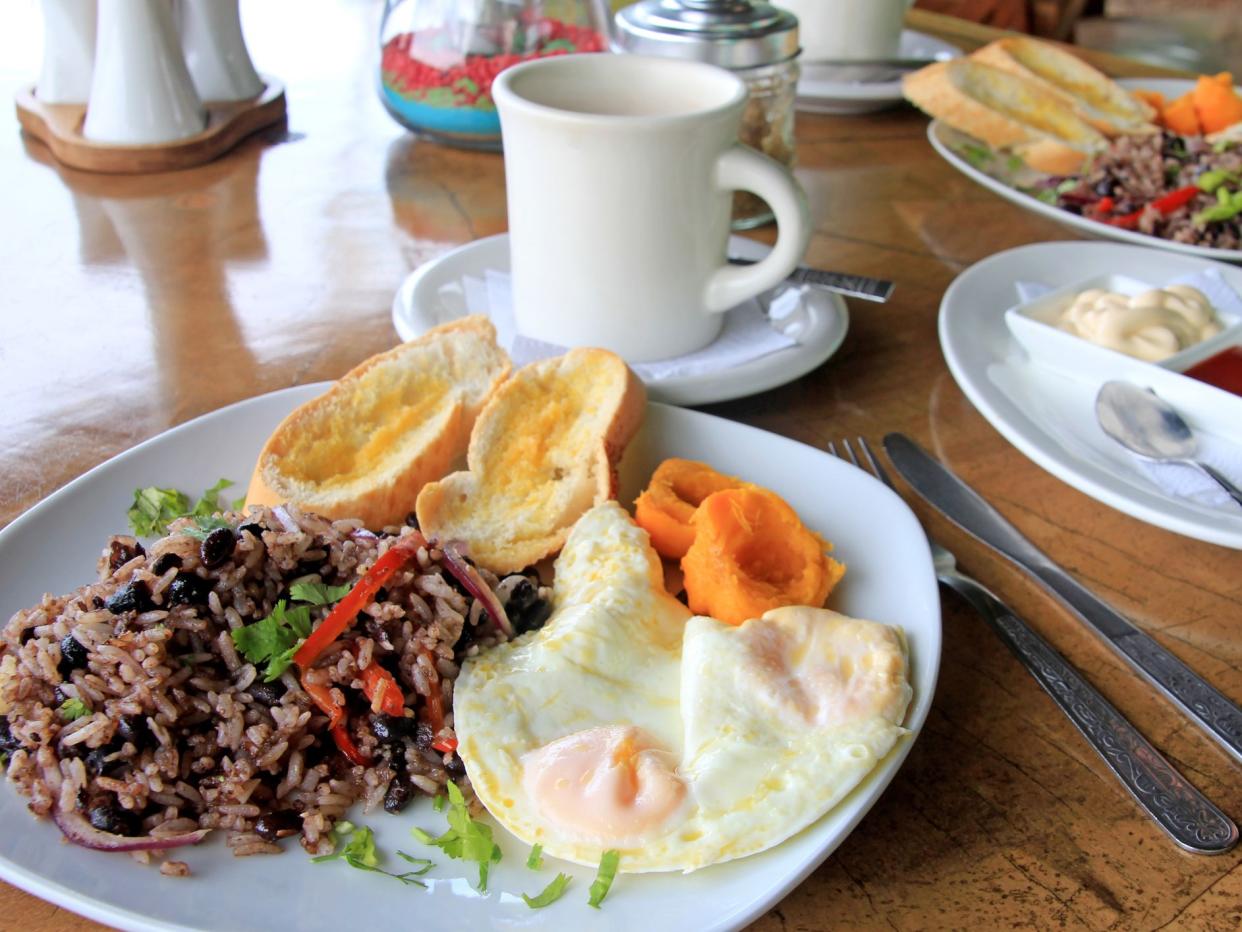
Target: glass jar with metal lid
x,y
755,40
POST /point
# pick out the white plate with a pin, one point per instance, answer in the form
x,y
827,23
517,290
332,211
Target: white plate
x,y
436,292
945,140
54,546
1048,415
819,93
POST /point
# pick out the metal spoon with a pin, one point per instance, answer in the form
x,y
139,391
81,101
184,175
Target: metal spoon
x,y
1145,424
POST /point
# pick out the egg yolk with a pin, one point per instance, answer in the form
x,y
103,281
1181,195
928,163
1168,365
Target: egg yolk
x,y
826,673
610,784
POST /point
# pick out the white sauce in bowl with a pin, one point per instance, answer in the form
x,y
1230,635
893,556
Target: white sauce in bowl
x,y
1150,326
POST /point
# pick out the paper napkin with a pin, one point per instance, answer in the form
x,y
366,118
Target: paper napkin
x,y
751,331
1174,479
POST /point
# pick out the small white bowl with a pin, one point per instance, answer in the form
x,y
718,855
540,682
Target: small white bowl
x,y
1033,326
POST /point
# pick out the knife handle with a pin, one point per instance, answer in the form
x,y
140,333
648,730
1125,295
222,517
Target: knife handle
x,y
1213,711
1188,817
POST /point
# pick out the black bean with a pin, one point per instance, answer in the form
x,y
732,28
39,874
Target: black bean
x,y
120,552
397,795
134,596
96,763
274,825
411,520
60,696
188,589
533,617
109,817
268,694
393,729
217,547
423,736
26,635
164,562
8,742
456,769
255,529
521,596
72,656
135,730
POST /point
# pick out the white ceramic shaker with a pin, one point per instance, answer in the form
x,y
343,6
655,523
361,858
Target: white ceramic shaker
x,y
68,51
215,50
142,93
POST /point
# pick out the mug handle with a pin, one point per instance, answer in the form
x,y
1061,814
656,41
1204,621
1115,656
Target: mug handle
x,y
742,168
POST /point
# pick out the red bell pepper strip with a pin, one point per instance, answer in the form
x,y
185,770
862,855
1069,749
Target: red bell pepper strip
x,y
345,744
381,688
359,597
322,697
1165,205
435,711
445,746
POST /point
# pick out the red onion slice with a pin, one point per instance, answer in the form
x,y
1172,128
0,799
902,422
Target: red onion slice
x,y
286,520
74,826
465,574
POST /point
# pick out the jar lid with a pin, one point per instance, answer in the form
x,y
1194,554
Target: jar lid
x,y
731,33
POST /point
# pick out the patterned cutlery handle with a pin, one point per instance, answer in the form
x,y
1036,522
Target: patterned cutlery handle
x,y
1175,805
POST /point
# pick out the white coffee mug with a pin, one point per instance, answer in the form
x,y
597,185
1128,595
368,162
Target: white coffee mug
x,y
619,172
848,30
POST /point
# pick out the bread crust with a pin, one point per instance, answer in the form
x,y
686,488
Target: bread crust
x,y
1005,111
1096,98
408,412
543,452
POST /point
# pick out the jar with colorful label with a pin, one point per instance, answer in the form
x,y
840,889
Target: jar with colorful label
x,y
438,58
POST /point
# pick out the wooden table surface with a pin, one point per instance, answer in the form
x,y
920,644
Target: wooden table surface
x,y
131,304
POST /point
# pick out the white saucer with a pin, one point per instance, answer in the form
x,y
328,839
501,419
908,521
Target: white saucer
x,y
1049,415
436,293
819,93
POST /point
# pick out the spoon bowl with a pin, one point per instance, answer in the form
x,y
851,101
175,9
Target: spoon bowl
x,y
1146,424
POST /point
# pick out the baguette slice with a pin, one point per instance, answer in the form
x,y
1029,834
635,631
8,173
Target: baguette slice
x,y
1005,111
366,447
542,453
1098,99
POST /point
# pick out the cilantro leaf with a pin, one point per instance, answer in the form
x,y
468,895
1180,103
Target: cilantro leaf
x,y
975,154
550,894
465,839
604,877
318,593
153,508
275,638
73,709
438,803
204,525
360,853
209,503
535,861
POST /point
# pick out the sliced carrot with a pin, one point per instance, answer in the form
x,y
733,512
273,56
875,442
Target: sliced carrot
x,y
665,507
1216,103
752,553
1180,116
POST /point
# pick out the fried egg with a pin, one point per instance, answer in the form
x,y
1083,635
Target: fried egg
x,y
625,723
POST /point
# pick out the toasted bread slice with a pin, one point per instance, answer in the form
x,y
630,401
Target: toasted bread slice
x,y
542,453
366,447
1098,99
1005,111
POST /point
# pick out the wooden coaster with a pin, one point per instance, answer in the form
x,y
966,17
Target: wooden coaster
x,y
59,127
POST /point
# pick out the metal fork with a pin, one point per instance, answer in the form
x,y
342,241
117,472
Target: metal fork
x,y
1182,811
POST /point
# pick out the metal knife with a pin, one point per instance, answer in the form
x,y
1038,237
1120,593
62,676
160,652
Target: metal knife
x,y
1184,813
856,286
1213,711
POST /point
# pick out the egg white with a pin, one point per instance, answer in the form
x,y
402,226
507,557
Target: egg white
x,y
769,724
